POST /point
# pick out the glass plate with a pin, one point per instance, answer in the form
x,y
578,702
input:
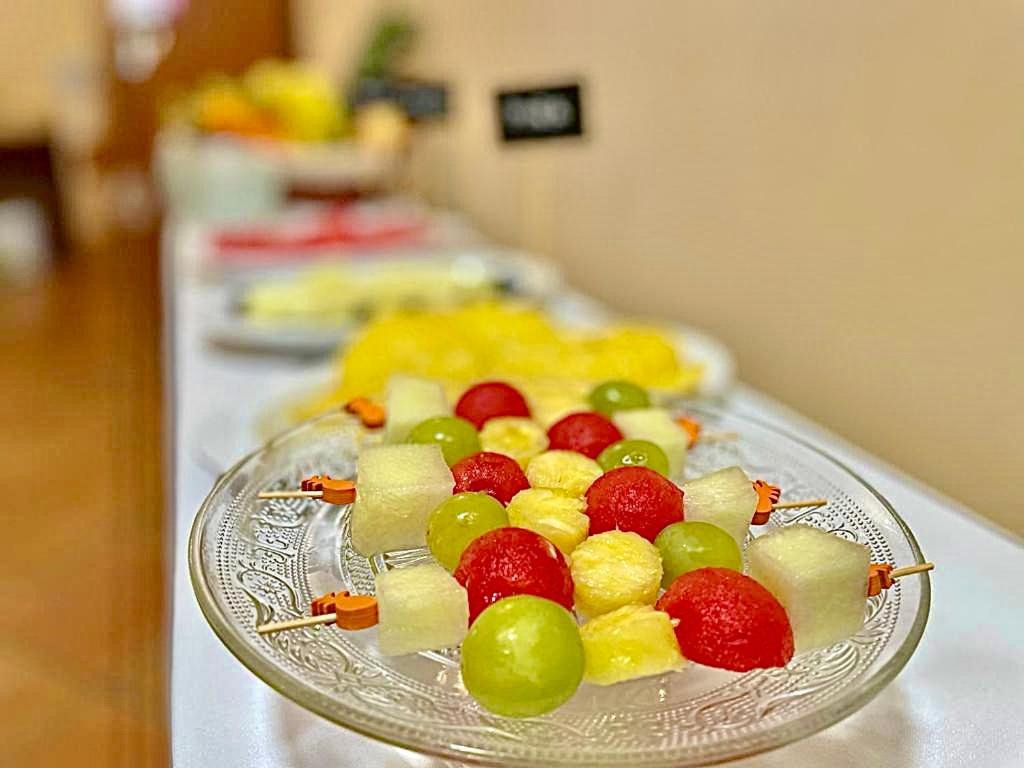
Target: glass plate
x,y
254,561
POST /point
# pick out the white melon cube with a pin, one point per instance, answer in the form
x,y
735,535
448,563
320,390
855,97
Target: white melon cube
x,y
658,426
411,400
397,487
422,608
725,498
821,580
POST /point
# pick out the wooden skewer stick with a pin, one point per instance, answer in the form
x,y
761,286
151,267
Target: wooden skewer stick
x,y
800,504
290,495
333,490
305,621
343,608
718,437
907,570
697,434
882,575
768,502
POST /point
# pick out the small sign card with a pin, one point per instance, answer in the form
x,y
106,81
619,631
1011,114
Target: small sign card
x,y
540,113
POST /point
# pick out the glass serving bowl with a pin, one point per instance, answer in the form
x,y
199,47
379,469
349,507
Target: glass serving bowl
x,y
256,561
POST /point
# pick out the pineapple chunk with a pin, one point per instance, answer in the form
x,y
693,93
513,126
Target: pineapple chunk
x,y
514,436
397,487
614,569
555,515
724,498
422,608
631,641
411,400
821,580
658,426
563,471
552,399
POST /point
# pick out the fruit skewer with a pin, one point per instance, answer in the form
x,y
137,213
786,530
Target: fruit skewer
x,y
338,491
355,612
373,415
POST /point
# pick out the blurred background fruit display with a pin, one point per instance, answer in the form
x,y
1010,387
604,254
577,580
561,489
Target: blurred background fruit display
x,y
272,99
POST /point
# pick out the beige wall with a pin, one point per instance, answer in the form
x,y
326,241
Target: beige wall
x,y
834,189
37,39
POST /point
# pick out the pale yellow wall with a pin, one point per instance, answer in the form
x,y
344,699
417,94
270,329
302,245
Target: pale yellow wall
x,y
834,189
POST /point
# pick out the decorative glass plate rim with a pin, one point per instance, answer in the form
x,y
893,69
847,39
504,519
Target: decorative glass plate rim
x,y
800,728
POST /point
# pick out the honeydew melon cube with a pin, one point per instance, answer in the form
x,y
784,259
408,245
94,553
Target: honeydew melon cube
x,y
631,641
658,426
397,487
409,401
820,578
725,498
613,569
555,515
422,608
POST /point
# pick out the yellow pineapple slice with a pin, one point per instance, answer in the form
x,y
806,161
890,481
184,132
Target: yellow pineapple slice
x,y
555,515
631,641
563,471
614,569
514,436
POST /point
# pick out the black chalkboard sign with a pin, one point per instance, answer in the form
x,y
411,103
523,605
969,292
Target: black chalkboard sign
x,y
420,100
540,113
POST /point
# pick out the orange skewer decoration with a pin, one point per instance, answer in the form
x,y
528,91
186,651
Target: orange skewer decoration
x,y
768,496
329,489
882,575
371,414
348,611
696,432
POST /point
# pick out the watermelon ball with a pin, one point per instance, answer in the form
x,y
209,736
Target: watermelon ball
x,y
513,561
634,499
585,432
728,620
492,473
491,399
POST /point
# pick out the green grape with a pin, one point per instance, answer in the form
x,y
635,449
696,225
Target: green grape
x,y
688,546
457,521
522,657
457,437
611,396
634,453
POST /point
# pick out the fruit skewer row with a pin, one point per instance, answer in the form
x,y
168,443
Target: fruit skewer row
x,y
419,411
498,400
401,484
341,491
504,576
356,612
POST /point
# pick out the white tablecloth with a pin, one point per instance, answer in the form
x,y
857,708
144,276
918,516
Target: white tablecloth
x,y
958,702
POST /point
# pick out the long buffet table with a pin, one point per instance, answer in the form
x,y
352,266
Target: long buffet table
x,y
956,703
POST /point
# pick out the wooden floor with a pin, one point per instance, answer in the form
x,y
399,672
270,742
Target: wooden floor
x,y
82,641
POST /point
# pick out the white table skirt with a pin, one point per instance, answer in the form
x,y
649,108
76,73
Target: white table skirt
x,y
958,702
